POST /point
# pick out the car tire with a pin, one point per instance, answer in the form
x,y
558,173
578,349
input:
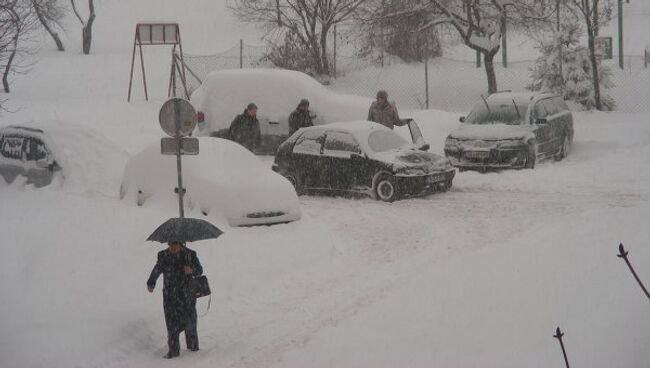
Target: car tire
x,y
564,149
385,188
295,181
531,157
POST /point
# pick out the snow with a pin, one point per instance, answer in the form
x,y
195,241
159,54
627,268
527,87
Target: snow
x,y
478,276
493,132
225,94
223,180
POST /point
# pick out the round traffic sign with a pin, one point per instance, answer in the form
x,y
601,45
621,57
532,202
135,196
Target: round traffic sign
x,y
177,111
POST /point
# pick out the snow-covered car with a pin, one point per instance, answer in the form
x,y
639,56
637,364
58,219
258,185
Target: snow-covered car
x,y
224,94
224,179
511,130
26,151
363,157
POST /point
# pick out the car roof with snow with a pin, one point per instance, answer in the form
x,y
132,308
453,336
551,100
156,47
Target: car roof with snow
x,y
354,127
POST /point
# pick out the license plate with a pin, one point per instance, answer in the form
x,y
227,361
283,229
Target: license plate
x,y
436,178
477,154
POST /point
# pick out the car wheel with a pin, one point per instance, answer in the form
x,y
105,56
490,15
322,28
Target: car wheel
x,y
532,155
564,149
386,188
295,181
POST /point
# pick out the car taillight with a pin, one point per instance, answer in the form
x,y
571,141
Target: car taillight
x,y
200,117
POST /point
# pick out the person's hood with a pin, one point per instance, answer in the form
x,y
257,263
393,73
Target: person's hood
x,y
492,132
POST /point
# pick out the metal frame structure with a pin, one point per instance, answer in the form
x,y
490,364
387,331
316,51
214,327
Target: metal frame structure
x,y
157,34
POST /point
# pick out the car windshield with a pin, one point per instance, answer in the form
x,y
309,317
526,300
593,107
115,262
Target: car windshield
x,y
504,113
383,140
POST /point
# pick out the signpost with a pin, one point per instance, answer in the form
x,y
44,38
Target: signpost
x,y
177,119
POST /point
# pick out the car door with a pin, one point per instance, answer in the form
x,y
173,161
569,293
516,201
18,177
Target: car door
x,y
554,117
565,119
541,126
306,157
343,159
12,155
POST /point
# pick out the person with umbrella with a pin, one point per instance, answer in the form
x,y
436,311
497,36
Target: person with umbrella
x,y
178,265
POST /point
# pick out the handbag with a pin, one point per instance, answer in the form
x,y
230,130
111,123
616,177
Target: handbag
x,y
199,286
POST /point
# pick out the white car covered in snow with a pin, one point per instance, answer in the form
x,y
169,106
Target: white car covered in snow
x,y
225,180
224,94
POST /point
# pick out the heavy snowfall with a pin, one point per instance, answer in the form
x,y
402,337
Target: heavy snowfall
x,y
478,276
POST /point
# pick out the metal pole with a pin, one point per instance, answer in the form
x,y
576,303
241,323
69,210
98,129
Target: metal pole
x,y
621,62
478,59
558,335
334,51
426,76
504,42
623,254
179,167
559,43
241,54
144,77
128,99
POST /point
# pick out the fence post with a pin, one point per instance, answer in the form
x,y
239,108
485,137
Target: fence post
x,y
426,78
241,54
334,61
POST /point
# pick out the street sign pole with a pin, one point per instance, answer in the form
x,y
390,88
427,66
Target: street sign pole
x,y
179,165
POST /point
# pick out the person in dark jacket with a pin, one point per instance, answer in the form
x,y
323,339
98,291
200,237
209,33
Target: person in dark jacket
x,y
178,265
300,117
245,128
383,112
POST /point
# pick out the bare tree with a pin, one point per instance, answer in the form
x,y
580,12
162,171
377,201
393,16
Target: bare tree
x,y
308,22
17,20
593,14
87,26
50,13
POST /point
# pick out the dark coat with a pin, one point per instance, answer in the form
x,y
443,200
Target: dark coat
x,y
299,119
245,130
384,114
179,305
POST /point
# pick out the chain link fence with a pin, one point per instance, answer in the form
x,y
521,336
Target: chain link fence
x,y
441,83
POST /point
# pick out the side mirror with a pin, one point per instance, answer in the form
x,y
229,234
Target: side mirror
x,y
541,121
424,147
461,119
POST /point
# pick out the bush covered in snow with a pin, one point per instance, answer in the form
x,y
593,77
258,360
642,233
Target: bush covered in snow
x,y
574,81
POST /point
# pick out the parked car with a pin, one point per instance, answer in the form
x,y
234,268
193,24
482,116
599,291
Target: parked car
x,y
363,157
224,179
26,151
511,130
224,94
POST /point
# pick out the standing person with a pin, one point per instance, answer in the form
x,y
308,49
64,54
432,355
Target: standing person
x,y
300,117
245,128
178,265
383,112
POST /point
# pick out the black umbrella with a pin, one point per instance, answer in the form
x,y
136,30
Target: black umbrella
x,y
184,230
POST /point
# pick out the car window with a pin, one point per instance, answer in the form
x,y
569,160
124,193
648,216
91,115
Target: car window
x,y
309,142
505,113
385,140
539,111
561,105
12,147
35,149
341,142
550,107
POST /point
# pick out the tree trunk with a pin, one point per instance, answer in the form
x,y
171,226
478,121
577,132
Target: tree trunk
x,y
86,39
55,36
595,78
5,76
323,54
488,58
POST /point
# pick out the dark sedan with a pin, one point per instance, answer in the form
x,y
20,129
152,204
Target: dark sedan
x,y
363,157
